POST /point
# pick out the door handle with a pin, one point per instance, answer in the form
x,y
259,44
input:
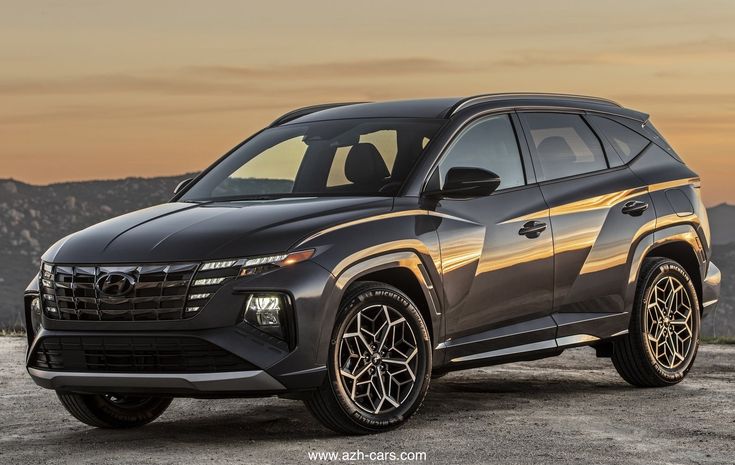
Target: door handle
x,y
532,229
634,208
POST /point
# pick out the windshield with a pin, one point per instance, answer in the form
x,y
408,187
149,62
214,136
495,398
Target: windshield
x,y
352,157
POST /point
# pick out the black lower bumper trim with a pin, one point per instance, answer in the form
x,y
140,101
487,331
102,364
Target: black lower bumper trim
x,y
134,354
254,381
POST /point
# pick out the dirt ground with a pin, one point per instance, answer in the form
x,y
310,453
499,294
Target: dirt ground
x,y
570,409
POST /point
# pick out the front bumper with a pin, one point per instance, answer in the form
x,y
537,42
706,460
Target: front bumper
x,y
192,363
271,366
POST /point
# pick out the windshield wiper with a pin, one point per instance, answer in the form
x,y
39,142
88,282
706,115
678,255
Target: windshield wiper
x,y
238,198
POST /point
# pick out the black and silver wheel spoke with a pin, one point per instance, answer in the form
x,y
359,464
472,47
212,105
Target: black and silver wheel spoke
x,y
378,356
667,323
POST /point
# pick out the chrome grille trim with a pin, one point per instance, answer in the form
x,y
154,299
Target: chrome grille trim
x,y
160,292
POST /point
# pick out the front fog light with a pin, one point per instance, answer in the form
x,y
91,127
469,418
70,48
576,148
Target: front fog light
x,y
267,313
36,314
36,305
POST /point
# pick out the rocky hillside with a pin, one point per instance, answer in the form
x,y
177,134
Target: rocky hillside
x,y
34,217
722,218
722,322
722,224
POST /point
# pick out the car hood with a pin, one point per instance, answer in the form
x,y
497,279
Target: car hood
x,y
192,232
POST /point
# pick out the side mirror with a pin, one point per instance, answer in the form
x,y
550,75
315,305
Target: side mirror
x,y
464,183
180,186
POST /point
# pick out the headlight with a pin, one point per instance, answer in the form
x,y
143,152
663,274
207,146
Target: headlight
x,y
217,265
269,313
263,264
250,266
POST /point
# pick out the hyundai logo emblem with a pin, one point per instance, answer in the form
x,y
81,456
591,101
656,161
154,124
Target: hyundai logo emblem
x,y
115,284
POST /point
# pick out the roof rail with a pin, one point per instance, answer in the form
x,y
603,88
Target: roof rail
x,y
469,101
299,112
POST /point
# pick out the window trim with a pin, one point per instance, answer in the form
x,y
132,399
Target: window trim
x,y
477,119
534,153
420,175
583,175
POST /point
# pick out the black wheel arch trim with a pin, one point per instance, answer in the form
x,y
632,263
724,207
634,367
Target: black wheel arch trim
x,y
684,233
399,259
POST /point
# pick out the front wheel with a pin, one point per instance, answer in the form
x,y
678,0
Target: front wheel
x,y
113,411
379,365
663,337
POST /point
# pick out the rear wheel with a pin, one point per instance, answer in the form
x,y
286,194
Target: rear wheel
x,y
662,342
113,411
379,363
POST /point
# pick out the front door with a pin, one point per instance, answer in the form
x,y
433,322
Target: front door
x,y
497,252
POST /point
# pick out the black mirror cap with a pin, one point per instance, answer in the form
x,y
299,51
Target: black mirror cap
x,y
180,186
461,183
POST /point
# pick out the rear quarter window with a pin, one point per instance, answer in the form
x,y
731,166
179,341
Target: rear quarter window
x,y
626,142
660,141
649,131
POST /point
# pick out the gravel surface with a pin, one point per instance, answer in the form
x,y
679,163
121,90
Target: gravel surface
x,y
569,409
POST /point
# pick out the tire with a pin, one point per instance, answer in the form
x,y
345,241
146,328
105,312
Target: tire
x,y
663,337
109,411
351,404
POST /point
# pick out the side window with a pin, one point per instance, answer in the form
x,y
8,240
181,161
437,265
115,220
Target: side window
x,y
488,144
563,145
626,142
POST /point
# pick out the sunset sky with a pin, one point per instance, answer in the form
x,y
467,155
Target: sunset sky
x,y
102,89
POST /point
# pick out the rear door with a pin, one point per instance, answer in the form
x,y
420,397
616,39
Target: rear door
x,y
598,208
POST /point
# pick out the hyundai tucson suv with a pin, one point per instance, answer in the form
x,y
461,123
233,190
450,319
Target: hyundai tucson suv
x,y
349,253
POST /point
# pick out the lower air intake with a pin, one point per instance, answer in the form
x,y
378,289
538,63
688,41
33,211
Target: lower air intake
x,y
135,354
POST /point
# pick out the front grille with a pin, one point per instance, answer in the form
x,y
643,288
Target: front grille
x,y
134,354
154,292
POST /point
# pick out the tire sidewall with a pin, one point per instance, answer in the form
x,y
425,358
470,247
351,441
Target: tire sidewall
x,y
663,269
379,295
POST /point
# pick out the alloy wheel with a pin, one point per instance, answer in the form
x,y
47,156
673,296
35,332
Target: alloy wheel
x,y
668,323
378,359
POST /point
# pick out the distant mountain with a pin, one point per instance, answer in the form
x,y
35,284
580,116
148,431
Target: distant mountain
x,y
722,223
32,218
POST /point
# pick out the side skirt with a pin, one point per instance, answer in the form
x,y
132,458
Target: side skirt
x,y
521,353
533,340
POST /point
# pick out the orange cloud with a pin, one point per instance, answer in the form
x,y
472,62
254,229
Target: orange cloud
x,y
337,69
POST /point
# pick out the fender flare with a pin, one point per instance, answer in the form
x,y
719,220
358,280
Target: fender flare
x,y
407,259
677,233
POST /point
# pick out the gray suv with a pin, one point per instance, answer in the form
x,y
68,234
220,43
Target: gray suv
x,y
348,253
